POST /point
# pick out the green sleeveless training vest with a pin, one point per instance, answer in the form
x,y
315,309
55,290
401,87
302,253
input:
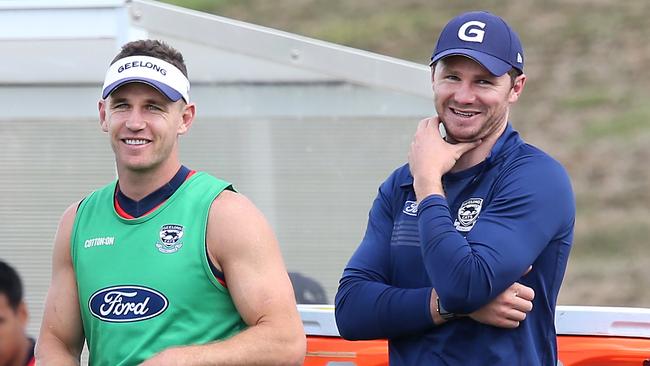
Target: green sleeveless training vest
x,y
145,284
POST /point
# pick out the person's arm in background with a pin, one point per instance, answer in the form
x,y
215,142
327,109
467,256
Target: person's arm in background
x,y
368,307
243,245
61,338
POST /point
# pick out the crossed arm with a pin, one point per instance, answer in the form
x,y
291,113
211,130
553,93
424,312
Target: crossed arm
x,y
368,306
531,203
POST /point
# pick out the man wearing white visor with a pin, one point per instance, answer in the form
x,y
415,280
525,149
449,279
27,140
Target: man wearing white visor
x,y
165,265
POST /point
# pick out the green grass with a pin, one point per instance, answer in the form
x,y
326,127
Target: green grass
x,y
587,99
632,122
616,241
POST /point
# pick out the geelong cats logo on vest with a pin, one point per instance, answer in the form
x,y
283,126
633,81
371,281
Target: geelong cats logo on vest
x,y
170,238
121,304
468,214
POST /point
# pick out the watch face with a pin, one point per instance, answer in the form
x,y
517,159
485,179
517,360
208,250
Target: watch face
x,y
444,313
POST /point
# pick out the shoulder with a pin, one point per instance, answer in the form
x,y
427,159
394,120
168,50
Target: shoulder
x,y
236,230
398,179
531,163
207,178
536,177
402,175
232,205
64,233
393,192
67,218
234,217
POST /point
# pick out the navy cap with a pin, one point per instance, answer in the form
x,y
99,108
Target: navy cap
x,y
483,37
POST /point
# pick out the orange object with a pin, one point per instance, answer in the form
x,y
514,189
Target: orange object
x,y
322,351
573,351
587,336
603,351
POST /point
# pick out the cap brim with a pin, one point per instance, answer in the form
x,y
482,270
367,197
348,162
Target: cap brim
x,y
494,65
163,88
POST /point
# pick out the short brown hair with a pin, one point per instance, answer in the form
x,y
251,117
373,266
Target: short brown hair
x,y
153,48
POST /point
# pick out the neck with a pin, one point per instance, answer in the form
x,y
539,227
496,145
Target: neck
x,y
23,347
481,152
138,184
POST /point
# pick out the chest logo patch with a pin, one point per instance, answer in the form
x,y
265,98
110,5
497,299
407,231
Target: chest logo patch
x,y
122,304
171,236
410,208
468,214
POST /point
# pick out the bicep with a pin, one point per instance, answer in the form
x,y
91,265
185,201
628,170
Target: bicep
x,y
528,213
243,243
61,326
532,204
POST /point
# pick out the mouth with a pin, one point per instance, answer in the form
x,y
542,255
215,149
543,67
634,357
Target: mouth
x,y
135,142
464,114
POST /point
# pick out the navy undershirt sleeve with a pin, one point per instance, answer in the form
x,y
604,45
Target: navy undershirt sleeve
x,y
367,306
533,199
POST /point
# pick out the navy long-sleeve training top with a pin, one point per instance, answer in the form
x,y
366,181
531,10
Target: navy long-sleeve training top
x,y
513,210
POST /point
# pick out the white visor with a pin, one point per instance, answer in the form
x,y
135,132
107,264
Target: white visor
x,y
155,72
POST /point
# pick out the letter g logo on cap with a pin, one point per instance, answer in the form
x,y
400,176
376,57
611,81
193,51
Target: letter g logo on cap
x,y
469,32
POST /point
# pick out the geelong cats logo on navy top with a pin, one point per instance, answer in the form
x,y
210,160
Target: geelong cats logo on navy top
x,y
170,238
468,214
121,304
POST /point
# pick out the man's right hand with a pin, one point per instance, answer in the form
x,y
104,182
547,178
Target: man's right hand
x,y
508,309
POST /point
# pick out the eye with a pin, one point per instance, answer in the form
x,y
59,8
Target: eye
x,y
484,82
154,107
452,77
120,106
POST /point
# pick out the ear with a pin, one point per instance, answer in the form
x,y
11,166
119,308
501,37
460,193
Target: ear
x,y
22,313
517,88
101,105
433,73
189,111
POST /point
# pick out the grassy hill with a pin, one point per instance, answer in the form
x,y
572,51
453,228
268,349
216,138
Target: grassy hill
x,y
586,103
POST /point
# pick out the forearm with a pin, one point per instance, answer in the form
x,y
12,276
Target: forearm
x,y
460,274
51,351
279,342
262,344
368,309
469,273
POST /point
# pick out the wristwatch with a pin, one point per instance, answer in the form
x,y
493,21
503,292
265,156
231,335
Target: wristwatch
x,y
446,315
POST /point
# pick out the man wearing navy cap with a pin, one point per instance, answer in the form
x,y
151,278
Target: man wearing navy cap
x,y
165,265
473,229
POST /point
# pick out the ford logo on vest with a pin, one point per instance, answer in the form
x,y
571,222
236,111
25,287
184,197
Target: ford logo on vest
x,y
122,304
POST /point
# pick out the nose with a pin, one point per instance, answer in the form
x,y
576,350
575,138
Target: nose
x,y
464,94
135,120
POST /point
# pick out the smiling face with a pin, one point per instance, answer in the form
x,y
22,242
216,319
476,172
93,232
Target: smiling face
x,y
144,126
471,102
